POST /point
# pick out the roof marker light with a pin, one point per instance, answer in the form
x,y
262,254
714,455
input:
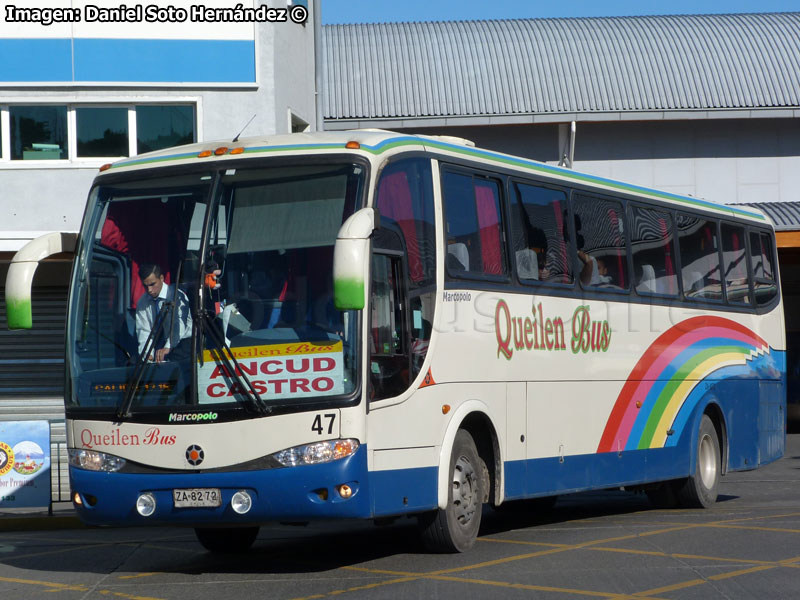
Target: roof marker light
x,y
352,145
237,150
204,154
221,150
105,167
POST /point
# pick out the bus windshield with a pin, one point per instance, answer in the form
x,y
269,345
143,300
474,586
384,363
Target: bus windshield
x,y
212,291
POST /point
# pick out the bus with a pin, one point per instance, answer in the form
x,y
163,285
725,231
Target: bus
x,y
368,325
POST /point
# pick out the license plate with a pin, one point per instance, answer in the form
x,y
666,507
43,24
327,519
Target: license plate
x,y
197,498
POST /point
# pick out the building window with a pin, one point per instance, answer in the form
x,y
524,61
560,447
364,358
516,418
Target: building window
x,y
159,127
102,132
38,132
96,132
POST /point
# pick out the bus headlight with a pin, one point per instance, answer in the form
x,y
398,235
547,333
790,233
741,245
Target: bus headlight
x,y
91,460
316,453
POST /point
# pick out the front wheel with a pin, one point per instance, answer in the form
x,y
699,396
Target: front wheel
x,y
455,528
700,489
226,540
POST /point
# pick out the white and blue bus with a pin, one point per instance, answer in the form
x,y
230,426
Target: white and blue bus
x,y
366,325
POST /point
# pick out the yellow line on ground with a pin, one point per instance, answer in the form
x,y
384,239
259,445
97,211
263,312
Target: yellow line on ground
x,y
359,588
138,575
559,549
689,556
670,588
741,572
523,543
47,584
754,528
9,558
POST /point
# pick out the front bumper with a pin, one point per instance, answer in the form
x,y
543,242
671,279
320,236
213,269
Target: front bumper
x,y
282,494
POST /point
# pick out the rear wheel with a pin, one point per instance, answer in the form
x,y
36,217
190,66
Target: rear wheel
x,y
700,490
455,528
226,540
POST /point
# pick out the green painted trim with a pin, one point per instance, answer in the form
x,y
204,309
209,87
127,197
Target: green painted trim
x,y
19,314
348,294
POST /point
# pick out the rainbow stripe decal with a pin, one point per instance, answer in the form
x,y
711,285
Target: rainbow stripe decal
x,y
664,378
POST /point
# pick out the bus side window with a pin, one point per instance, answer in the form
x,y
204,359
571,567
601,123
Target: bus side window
x,y
474,227
761,261
539,234
405,202
651,245
735,266
389,358
699,248
600,235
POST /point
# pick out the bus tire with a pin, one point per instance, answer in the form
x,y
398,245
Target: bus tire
x,y
700,490
455,528
226,540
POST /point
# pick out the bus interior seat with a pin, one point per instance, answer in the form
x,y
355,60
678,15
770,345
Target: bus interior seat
x,y
648,281
458,257
527,264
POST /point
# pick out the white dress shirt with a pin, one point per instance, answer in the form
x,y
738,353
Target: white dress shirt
x,y
147,309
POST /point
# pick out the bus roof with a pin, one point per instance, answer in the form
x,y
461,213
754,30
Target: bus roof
x,y
376,142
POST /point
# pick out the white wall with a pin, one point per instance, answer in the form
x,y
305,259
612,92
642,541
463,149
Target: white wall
x,y
53,198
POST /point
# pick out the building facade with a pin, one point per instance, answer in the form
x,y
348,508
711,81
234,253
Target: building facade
x,y
86,83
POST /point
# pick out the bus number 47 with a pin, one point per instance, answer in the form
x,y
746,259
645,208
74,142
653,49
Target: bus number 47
x,y
318,425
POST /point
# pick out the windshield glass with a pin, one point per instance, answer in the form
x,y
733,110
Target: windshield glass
x,y
151,330
271,240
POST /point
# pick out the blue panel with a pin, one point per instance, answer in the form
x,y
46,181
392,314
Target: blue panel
x,y
404,490
282,494
35,60
165,61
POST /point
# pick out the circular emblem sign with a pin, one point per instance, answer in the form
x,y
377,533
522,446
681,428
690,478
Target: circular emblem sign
x,y
195,455
6,458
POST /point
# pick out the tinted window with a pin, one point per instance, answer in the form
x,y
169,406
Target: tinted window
x,y
405,202
38,132
474,230
761,260
699,249
652,247
734,262
159,127
102,131
600,236
539,234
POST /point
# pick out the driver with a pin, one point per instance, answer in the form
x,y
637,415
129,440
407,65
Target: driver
x,y
175,346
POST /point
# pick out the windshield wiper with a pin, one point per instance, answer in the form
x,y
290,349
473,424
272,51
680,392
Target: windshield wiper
x,y
141,363
231,364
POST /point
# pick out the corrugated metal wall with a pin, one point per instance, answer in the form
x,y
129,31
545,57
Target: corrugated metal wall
x,y
536,66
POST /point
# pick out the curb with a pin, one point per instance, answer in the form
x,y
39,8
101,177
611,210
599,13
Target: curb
x,y
42,523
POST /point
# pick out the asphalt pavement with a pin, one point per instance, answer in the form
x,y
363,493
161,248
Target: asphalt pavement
x,y
609,544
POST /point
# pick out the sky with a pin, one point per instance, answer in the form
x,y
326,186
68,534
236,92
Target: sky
x,y
378,11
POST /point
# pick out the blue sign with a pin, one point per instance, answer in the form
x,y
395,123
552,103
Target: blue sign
x,y
24,464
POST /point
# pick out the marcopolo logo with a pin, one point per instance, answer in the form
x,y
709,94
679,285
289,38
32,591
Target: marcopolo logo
x,y
194,417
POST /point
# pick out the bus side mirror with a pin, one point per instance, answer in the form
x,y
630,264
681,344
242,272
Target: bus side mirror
x,y
19,279
351,259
